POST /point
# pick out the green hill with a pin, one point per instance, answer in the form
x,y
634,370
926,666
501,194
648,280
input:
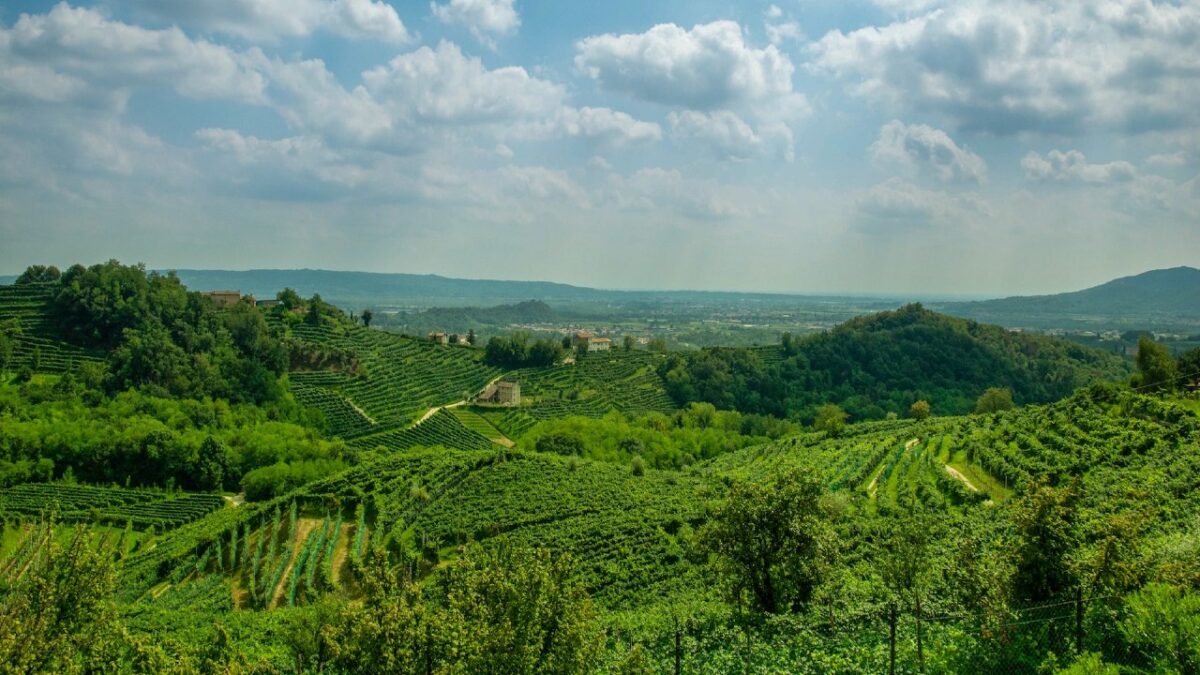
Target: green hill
x,y
882,363
1164,299
632,536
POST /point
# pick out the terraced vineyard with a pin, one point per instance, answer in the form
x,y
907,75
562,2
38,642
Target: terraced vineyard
x,y
142,508
475,421
36,345
402,379
443,429
595,384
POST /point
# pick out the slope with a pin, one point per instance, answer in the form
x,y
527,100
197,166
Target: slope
x,y
1167,298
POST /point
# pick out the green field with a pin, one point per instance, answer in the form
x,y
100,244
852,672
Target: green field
x,y
37,344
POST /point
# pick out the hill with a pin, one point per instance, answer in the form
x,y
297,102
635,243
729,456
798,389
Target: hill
x,y
883,363
631,536
491,320
1167,299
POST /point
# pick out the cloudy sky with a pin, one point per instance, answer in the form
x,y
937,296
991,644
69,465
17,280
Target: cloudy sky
x,y
802,145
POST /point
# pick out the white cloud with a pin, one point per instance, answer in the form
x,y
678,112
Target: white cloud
x,y
725,135
780,30
917,148
1008,66
79,54
486,19
444,85
708,67
611,126
1072,166
1168,160
269,20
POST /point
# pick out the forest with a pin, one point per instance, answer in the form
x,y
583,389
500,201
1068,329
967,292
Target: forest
x,y
193,488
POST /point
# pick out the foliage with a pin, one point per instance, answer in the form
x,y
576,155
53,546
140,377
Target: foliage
x,y
1156,368
883,363
920,410
995,399
492,611
1163,623
518,351
831,419
774,541
281,478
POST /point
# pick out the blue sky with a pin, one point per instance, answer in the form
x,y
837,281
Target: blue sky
x,y
798,145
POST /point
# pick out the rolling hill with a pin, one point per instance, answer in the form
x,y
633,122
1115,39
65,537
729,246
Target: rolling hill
x,y
882,363
1164,299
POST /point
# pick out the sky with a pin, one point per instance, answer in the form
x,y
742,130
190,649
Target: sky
x,y
813,146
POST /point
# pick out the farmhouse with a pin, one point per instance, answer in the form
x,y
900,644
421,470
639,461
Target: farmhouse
x,y
501,393
589,342
224,298
439,338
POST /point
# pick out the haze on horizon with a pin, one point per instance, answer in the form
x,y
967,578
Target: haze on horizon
x,y
903,146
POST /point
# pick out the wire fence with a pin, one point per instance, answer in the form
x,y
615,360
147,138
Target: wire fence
x,y
1038,638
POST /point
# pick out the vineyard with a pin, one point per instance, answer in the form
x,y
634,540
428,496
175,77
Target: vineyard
x,y
401,379
443,428
35,345
595,384
142,508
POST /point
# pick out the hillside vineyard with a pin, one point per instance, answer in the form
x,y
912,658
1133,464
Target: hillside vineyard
x,y
197,485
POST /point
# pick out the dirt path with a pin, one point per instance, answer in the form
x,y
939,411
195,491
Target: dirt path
x,y
360,411
958,476
303,528
236,500
873,487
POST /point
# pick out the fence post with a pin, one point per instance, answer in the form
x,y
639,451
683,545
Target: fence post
x,y
892,638
1078,619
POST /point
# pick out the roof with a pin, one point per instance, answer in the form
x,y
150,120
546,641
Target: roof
x,y
584,334
222,292
601,340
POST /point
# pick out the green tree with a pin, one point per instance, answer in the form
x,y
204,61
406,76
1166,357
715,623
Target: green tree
x,y
995,399
1156,368
1163,622
289,299
920,410
1188,367
367,316
627,343
59,616
39,274
773,541
831,419
471,337
212,465
1045,522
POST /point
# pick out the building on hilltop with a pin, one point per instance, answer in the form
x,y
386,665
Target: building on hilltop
x,y
439,338
588,341
266,304
501,393
224,298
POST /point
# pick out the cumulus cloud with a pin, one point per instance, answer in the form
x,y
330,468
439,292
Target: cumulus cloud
x,y
919,148
708,67
725,135
269,20
780,29
486,19
445,85
78,54
606,125
1072,166
1010,66
657,188
897,206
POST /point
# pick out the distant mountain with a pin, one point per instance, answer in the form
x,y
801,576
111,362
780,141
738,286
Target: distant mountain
x,y
462,319
7,279
1162,299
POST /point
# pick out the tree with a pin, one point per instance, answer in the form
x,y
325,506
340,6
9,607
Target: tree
x,y
471,337
39,274
315,305
1163,622
773,540
212,465
367,315
994,400
289,299
831,419
1156,368
1045,520
627,343
920,410
59,617
1188,367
